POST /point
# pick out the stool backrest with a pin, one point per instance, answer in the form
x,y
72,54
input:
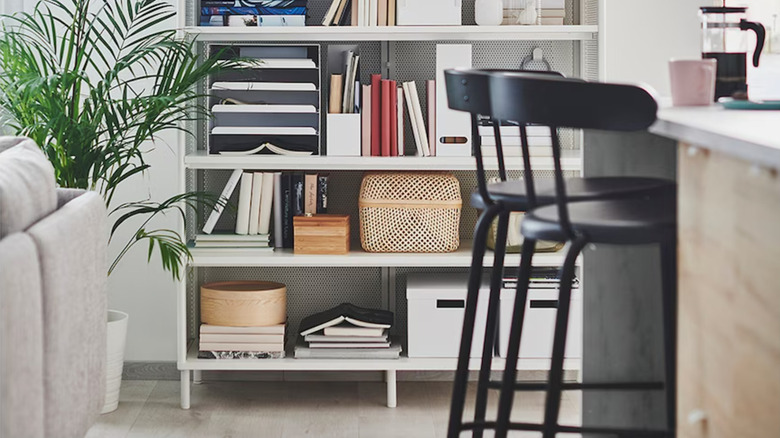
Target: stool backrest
x,y
565,103
468,90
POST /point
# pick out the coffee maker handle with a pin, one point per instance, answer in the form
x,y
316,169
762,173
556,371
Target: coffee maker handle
x,y
760,31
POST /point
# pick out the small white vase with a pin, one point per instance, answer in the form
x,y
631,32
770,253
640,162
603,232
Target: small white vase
x,y
116,336
488,12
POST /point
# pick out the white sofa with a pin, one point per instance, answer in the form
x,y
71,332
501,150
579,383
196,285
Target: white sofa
x,y
52,299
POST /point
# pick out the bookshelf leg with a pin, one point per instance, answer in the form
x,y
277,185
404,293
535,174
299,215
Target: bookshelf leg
x,y
391,388
185,389
197,377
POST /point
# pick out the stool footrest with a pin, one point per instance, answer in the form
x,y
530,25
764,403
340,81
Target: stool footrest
x,y
619,386
620,432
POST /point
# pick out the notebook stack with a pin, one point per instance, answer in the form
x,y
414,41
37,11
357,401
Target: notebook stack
x,y
347,332
539,140
541,278
253,13
219,342
553,12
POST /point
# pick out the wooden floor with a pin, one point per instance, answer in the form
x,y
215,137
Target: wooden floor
x,y
298,409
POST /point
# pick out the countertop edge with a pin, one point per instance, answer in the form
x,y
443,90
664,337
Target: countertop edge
x,y
738,148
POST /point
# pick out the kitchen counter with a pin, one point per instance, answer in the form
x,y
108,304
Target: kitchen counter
x,y
726,164
752,136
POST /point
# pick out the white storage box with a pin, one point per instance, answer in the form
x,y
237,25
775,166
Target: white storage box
x,y
539,324
436,305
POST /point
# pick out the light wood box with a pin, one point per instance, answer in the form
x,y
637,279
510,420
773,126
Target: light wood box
x,y
321,234
243,303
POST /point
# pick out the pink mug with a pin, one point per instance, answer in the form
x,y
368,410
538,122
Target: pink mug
x,y
693,81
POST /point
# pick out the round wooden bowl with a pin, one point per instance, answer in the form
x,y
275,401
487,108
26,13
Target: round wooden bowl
x,y
243,303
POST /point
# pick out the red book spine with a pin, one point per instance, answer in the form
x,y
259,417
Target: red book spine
x,y
393,119
376,92
385,141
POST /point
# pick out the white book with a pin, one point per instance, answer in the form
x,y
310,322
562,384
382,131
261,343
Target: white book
x,y
353,339
360,323
270,147
263,86
373,13
266,203
349,345
226,193
266,330
413,119
277,209
327,20
352,331
231,346
254,202
244,202
231,245
533,151
420,121
430,87
400,117
263,108
514,131
232,251
230,237
515,141
244,130
553,4
277,63
242,338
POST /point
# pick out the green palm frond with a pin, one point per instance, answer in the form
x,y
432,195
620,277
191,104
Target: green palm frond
x,y
92,82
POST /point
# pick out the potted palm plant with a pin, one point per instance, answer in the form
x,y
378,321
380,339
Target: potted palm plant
x,y
94,83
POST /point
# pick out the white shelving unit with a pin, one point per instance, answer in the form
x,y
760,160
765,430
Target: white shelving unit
x,y
575,43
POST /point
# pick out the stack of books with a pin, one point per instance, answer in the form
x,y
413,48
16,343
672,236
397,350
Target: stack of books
x,y
382,118
263,196
553,12
253,13
539,140
347,332
541,278
361,13
220,342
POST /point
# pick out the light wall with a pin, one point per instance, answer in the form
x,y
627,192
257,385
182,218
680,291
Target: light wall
x,y
638,37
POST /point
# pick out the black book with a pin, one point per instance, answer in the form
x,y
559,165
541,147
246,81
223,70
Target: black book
x,y
322,194
287,213
357,316
298,194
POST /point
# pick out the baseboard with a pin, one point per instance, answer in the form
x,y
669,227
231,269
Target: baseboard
x,y
136,370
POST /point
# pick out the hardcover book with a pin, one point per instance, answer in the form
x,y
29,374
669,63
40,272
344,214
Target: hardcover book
x,y
359,316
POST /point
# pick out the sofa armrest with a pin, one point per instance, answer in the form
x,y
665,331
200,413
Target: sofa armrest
x,y
66,195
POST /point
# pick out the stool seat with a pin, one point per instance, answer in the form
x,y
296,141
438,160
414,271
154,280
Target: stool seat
x,y
618,222
512,194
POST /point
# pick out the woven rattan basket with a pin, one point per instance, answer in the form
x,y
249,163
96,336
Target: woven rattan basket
x,y
410,212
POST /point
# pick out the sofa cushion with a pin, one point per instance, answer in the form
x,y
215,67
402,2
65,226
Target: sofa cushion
x,y
27,185
21,339
71,244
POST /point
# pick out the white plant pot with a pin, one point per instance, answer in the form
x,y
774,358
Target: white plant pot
x,y
116,336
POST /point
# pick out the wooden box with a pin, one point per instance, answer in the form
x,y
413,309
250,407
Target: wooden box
x,y
243,303
321,234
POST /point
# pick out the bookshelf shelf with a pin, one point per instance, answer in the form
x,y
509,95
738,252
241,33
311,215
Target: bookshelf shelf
x,y
202,160
403,364
394,33
356,258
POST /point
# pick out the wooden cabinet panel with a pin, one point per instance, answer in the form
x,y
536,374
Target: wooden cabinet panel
x,y
729,298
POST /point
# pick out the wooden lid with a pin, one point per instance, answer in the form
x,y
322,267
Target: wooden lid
x,y
243,286
323,218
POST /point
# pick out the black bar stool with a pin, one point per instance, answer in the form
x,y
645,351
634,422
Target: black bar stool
x,y
558,103
468,90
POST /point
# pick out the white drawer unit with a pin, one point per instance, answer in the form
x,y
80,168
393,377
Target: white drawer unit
x,y
436,305
539,324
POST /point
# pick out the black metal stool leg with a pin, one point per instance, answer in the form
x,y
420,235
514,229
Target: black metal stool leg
x,y
507,394
669,285
492,319
475,279
555,379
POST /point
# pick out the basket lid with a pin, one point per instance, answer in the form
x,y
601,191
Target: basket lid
x,y
419,186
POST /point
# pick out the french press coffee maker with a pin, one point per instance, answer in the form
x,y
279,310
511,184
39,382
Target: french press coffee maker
x,y
724,39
